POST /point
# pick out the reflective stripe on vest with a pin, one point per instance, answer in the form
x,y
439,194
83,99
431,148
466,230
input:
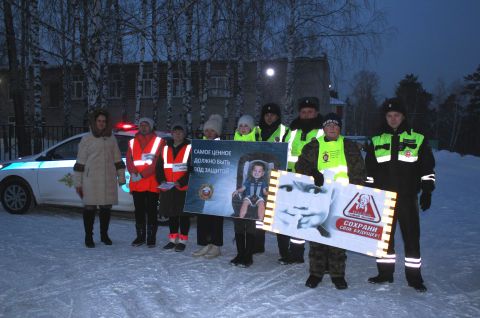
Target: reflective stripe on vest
x,y
174,168
331,159
279,133
141,160
296,145
409,144
144,159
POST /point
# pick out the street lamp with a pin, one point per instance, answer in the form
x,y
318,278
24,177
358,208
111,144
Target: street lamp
x,y
270,72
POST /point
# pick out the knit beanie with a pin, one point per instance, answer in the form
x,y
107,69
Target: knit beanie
x,y
246,120
214,122
332,118
146,120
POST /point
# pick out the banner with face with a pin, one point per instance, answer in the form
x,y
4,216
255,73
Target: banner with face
x,y
344,215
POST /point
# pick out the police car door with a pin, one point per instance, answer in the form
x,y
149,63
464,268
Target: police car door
x,y
55,174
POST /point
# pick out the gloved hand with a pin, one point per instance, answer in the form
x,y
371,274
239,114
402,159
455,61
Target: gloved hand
x,y
425,200
318,178
135,177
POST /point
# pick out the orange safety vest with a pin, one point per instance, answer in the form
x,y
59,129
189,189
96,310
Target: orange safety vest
x,y
142,158
175,168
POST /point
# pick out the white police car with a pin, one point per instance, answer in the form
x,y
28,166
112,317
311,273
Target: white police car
x,y
47,177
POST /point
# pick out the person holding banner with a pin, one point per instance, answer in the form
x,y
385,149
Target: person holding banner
x,y
172,171
271,130
210,227
303,129
337,158
244,228
142,155
400,159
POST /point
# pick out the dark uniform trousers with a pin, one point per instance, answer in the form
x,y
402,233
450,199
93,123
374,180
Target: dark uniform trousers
x,y
209,230
323,257
287,249
145,205
406,214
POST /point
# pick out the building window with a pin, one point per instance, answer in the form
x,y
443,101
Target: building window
x,y
115,86
55,91
217,86
77,88
147,84
177,87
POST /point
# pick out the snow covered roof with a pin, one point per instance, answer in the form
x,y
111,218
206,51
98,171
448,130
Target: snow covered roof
x,y
336,102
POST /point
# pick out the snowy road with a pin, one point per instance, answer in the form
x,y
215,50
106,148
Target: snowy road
x,y
45,270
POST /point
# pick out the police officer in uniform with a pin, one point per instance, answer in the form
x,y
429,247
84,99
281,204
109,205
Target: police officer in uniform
x,y
271,130
303,129
337,158
400,159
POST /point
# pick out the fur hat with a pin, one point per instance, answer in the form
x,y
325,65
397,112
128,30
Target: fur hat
x,y
311,102
332,118
146,120
393,105
214,122
246,120
271,108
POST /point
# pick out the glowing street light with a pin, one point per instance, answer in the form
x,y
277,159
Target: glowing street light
x,y
270,72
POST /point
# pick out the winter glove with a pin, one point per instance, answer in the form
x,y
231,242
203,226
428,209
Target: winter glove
x,y
425,200
136,177
318,178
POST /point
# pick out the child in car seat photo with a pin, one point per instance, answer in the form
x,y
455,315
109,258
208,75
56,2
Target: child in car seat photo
x,y
254,190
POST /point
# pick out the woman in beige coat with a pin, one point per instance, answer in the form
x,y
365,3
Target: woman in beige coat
x,y
98,171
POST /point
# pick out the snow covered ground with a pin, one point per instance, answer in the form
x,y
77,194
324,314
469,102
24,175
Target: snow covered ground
x,y
46,271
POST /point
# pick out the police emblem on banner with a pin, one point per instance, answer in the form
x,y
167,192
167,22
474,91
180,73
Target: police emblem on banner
x,y
206,191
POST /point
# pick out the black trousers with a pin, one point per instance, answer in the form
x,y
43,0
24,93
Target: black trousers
x,y
209,230
244,226
288,249
145,205
406,215
179,224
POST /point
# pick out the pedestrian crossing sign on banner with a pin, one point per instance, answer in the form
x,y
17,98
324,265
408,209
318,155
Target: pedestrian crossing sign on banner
x,y
344,215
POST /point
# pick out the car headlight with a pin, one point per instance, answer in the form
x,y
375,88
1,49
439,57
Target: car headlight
x,y
4,165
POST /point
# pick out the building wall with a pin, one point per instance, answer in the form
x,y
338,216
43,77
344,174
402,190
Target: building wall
x,y
312,79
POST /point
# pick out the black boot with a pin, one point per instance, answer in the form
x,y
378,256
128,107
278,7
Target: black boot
x,y
240,242
313,281
104,224
141,235
151,235
88,220
339,282
418,286
381,278
247,256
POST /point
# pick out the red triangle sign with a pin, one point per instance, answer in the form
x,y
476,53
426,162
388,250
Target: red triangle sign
x,y
362,207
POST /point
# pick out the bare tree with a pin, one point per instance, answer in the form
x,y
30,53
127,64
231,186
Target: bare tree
x,y
15,80
37,81
141,62
364,102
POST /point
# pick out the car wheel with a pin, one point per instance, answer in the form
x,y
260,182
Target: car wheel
x,y
16,197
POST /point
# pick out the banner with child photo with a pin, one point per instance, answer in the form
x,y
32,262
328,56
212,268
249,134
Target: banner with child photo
x,y
230,178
